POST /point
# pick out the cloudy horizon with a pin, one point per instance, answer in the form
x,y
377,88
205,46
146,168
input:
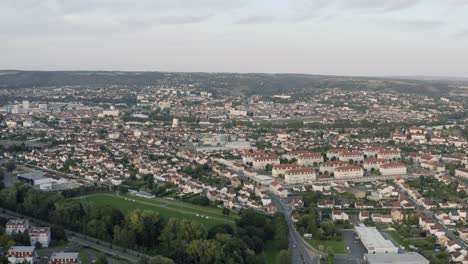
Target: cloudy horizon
x,y
329,37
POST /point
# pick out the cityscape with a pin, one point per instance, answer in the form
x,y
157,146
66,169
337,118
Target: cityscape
x,y
339,175
233,132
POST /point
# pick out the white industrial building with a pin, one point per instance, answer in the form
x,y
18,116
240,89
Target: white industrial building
x,y
37,180
373,241
394,258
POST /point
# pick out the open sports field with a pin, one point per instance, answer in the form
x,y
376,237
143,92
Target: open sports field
x,y
208,216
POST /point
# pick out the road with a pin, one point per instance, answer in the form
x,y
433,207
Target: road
x,y
300,250
360,179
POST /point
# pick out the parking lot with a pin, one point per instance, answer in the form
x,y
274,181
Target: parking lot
x,y
354,246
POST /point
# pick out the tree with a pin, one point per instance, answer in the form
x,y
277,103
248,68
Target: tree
x,y
101,260
205,251
38,245
10,165
161,260
283,257
226,212
268,167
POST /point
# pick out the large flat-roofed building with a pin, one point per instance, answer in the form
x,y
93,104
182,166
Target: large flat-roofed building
x,y
374,241
394,258
37,180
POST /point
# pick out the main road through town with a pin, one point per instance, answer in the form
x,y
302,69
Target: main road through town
x,y
300,250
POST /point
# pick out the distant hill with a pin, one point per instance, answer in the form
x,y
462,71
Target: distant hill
x,y
224,83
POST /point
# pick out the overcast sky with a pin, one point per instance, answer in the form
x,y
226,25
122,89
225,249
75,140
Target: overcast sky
x,y
342,37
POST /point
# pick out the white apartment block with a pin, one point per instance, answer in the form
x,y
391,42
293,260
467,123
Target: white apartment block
x,y
354,156
20,254
41,235
335,153
299,176
389,154
462,172
373,163
261,162
280,169
310,159
352,171
330,166
15,226
393,169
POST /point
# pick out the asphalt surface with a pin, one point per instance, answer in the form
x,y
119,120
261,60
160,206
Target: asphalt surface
x,y
355,248
300,250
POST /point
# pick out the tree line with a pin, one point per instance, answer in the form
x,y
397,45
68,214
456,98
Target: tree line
x,y
179,240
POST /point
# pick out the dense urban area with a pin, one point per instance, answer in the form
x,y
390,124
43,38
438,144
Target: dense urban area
x,y
152,167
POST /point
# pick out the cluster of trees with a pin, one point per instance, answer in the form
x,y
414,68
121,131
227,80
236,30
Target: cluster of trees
x,y
181,240
321,230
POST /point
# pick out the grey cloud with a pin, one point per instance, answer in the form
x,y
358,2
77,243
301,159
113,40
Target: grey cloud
x,y
378,5
307,9
462,34
91,16
256,19
411,24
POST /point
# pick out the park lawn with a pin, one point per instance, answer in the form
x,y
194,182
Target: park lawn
x,y
394,234
338,247
209,216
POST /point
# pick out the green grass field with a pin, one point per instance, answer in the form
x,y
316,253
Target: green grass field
x,y
208,216
338,247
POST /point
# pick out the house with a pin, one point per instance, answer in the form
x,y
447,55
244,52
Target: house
x,y
14,226
22,254
65,258
364,215
380,218
428,204
339,216
39,235
452,246
397,216
326,204
463,233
